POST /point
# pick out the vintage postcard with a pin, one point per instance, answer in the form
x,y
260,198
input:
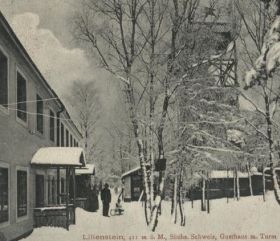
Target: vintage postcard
x,y
138,120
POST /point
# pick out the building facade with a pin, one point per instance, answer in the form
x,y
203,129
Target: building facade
x,y
31,116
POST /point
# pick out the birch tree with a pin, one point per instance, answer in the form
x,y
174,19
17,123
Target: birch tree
x,y
261,76
122,43
143,49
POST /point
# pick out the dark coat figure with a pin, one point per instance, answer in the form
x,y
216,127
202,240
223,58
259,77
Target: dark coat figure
x,y
106,199
93,200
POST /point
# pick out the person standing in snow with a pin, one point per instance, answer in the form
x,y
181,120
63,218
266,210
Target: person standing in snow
x,y
106,199
92,204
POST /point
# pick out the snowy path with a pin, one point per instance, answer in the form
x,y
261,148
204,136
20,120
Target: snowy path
x,y
249,216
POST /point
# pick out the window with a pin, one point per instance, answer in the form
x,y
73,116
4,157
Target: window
x,y
71,140
3,80
21,98
49,190
4,195
52,130
53,191
67,137
62,135
40,117
21,193
62,190
40,189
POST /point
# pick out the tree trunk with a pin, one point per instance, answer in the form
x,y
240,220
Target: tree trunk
x,y
273,162
276,185
139,141
208,194
237,185
147,211
263,179
181,208
174,199
157,202
159,195
172,202
203,205
191,195
175,213
181,198
249,178
158,198
144,171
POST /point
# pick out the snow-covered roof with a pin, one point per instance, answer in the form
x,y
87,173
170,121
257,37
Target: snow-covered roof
x,y
224,174
130,171
59,156
89,169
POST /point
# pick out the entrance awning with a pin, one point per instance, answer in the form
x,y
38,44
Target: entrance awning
x,y
89,169
59,156
68,158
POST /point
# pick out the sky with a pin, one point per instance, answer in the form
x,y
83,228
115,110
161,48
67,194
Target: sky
x,y
44,28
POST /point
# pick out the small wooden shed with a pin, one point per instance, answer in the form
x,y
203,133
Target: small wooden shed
x,y
222,183
83,185
133,184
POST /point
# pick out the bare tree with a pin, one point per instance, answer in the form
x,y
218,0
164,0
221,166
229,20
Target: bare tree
x,y
121,145
85,102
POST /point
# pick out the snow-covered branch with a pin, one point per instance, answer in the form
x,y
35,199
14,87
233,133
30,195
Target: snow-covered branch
x,y
269,58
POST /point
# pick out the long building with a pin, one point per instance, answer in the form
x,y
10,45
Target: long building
x,y
31,116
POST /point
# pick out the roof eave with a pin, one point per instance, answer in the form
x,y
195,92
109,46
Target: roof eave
x,y
26,56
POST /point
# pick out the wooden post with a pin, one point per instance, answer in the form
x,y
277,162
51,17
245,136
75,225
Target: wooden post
x,y
234,184
58,185
67,198
263,181
74,194
208,193
227,186
250,179
192,188
203,207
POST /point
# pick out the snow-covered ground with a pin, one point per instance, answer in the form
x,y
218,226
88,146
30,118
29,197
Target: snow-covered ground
x,y
247,217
